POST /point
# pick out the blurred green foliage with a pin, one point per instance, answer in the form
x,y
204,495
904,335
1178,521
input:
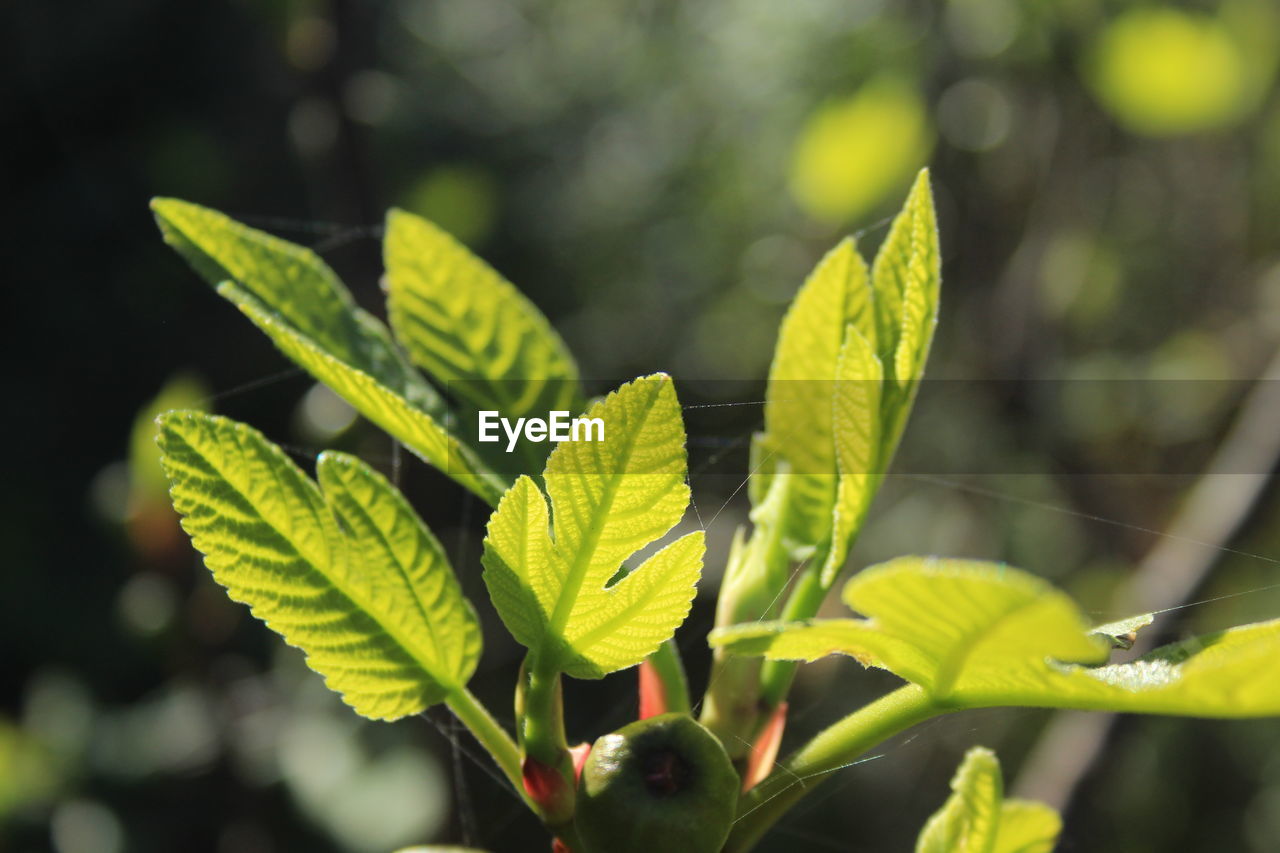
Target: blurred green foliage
x,y
635,168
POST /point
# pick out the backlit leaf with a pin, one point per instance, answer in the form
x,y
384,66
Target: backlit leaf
x,y
345,571
295,284
970,819
417,430
906,278
975,818
1027,827
799,411
549,573
981,635
856,427
470,328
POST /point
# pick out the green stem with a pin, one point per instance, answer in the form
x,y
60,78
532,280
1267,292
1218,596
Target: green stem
x,y
670,671
832,749
541,712
755,574
803,603
476,717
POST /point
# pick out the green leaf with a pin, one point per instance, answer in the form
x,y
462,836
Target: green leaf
x,y
295,284
970,819
1027,827
798,411
906,278
981,635
549,578
850,355
856,425
348,574
394,413
468,327
975,819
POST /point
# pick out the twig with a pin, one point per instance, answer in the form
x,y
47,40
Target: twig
x,y
1217,505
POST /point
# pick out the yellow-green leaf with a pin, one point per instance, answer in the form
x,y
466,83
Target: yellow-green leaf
x,y
1027,827
421,433
295,284
981,635
906,277
798,411
975,818
970,819
349,574
470,328
856,427
549,577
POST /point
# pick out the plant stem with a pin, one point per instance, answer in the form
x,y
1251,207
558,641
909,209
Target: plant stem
x,y
803,603
832,749
476,717
670,671
540,712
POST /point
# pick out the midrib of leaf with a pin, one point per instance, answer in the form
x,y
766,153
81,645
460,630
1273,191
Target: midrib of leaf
x,y
409,582
359,603
953,664
587,548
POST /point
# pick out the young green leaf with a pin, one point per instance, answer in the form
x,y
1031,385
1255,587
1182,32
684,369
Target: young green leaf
x,y
970,820
294,283
975,819
549,578
346,572
850,355
906,278
798,411
417,430
856,425
1027,827
469,327
981,635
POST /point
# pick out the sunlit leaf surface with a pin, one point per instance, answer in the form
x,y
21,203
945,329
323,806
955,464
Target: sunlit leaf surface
x,y
344,571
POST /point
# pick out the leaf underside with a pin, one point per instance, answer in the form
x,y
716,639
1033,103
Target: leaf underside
x,y
344,571
470,328
978,634
850,354
295,299
549,573
977,819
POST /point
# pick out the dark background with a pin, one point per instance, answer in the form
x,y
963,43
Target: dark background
x,y
1107,183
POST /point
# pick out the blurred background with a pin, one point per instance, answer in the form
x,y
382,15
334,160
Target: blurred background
x,y
659,177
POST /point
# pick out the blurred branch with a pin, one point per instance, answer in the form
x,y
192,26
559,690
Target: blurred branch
x,y
1167,577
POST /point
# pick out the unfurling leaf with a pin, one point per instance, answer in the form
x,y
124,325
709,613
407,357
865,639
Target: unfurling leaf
x,y
549,576
851,351
980,635
970,820
344,571
798,409
906,278
977,819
